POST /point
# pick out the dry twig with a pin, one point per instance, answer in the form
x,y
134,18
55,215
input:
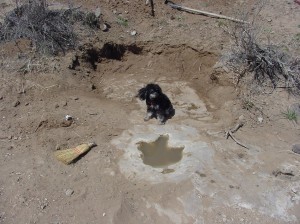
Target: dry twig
x,y
50,31
183,8
269,65
230,132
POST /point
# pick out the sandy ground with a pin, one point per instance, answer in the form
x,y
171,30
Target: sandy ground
x,y
216,181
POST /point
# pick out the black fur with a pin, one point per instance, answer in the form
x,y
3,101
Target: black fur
x,y
158,104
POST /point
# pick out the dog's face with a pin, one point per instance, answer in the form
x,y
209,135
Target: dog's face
x,y
151,91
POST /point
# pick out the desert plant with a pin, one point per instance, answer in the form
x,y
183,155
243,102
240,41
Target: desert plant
x,y
122,21
247,104
291,115
50,31
268,64
92,20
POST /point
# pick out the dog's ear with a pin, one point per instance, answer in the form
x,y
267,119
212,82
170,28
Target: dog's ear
x,y
156,88
142,93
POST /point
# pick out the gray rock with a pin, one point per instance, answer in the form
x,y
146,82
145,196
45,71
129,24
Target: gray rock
x,y
296,148
16,103
97,12
133,33
69,192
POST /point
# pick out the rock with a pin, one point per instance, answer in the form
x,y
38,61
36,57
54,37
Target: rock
x,y
56,105
260,119
69,192
16,103
74,62
93,87
44,205
1,97
296,148
65,103
66,123
97,12
114,11
242,118
104,27
133,33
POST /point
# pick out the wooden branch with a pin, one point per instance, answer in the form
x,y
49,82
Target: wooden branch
x,y
230,132
179,7
236,128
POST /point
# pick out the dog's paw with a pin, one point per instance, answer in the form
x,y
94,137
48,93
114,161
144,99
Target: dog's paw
x,y
147,118
161,122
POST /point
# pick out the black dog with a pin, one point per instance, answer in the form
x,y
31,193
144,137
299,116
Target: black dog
x,y
158,104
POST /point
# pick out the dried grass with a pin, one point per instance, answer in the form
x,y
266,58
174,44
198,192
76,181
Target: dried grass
x,y
50,31
268,65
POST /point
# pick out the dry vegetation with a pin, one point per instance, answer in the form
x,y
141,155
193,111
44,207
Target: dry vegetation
x,y
266,63
50,31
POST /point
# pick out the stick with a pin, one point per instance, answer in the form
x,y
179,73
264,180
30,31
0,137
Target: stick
x,y
233,130
179,7
237,127
229,133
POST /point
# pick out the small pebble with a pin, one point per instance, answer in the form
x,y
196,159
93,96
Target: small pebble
x,y
68,117
1,97
133,33
93,87
16,103
296,148
97,12
69,192
65,103
241,118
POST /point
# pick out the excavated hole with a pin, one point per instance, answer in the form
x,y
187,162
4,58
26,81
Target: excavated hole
x,y
158,154
110,51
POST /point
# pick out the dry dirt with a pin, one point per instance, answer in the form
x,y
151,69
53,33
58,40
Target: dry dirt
x,y
217,181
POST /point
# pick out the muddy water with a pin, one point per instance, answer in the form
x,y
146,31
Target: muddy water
x,y
158,154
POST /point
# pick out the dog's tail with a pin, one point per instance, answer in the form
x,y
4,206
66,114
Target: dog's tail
x,y
142,93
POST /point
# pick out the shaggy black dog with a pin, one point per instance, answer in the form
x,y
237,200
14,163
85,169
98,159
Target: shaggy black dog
x,y
158,104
